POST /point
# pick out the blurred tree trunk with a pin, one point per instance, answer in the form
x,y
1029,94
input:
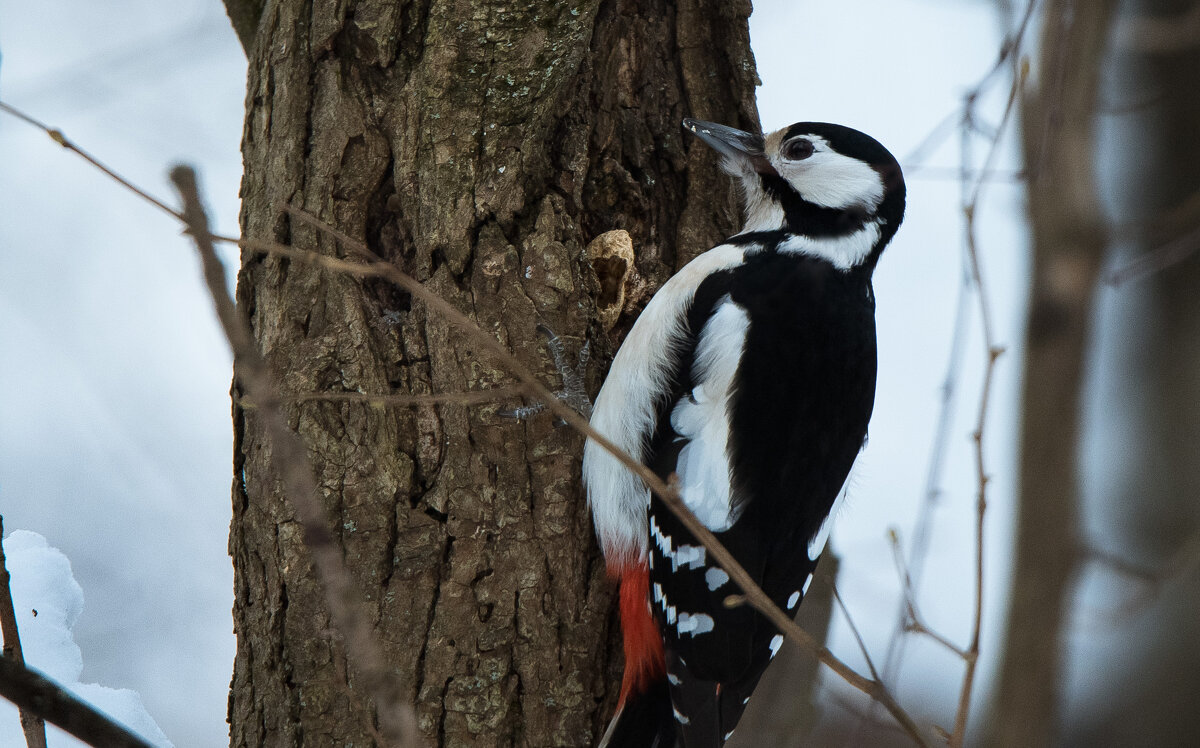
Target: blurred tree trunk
x,y
479,146
1150,511
1069,237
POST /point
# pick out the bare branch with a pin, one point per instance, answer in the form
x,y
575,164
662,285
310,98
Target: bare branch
x,y
1152,579
32,724
971,180
993,353
58,137
862,646
473,397
35,693
915,622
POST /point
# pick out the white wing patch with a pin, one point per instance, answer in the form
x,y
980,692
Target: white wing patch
x,y
776,643
688,556
625,412
715,577
694,623
702,419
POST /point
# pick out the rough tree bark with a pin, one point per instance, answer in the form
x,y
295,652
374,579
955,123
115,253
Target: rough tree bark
x,y
1069,237
480,146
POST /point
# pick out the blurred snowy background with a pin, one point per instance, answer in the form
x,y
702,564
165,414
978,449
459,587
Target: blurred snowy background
x,y
115,438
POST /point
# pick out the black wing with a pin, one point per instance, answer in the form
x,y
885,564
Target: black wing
x,y
798,412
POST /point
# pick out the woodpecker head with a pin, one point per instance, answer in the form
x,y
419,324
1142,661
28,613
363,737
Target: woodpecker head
x,y
826,183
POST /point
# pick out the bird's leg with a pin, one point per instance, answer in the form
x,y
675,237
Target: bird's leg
x,y
573,392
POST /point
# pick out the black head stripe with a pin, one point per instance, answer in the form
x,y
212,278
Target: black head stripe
x,y
846,141
810,219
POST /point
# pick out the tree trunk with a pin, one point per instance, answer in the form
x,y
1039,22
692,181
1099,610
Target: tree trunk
x,y
479,146
1069,237
1149,513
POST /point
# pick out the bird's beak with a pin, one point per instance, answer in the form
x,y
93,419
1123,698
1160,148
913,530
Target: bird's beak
x,y
737,146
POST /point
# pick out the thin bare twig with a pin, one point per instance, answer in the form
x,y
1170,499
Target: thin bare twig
x,y
57,136
472,397
915,622
972,180
862,646
993,353
35,693
290,460
32,724
954,174
965,120
964,114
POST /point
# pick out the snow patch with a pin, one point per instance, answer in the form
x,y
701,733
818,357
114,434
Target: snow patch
x,y
48,601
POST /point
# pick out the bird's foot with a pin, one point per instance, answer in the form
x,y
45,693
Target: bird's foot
x,y
573,392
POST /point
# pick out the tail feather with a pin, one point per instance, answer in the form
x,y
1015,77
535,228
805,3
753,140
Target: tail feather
x,y
644,717
707,712
644,720
643,643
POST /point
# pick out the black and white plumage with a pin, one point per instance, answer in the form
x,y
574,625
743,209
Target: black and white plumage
x,y
751,376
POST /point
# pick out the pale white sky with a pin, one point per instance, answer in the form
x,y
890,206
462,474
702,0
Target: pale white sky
x,y
115,438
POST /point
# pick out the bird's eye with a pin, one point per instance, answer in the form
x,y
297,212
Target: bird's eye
x,y
798,149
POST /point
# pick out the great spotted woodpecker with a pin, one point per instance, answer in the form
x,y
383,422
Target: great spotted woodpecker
x,y
751,376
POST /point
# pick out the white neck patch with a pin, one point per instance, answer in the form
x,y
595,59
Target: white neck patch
x,y
843,252
762,213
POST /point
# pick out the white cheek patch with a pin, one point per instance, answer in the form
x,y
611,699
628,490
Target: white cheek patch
x,y
829,179
843,252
